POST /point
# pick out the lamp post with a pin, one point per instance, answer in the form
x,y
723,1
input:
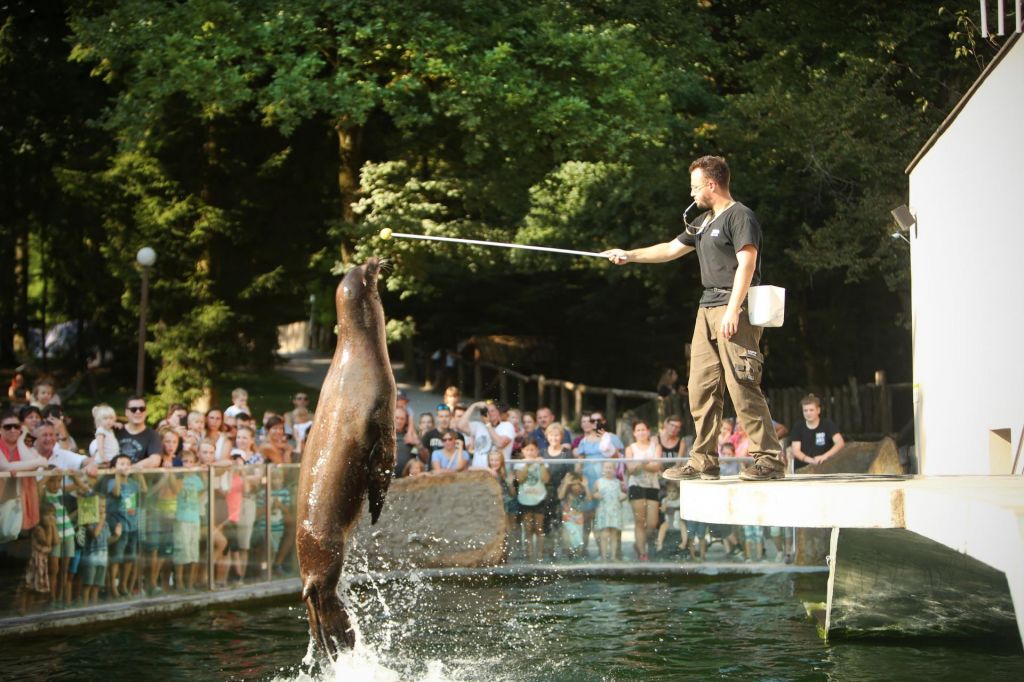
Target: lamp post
x,y
145,258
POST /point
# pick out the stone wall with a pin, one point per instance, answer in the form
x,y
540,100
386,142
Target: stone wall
x,y
435,521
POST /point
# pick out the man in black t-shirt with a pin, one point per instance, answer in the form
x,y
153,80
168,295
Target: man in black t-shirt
x,y
815,439
137,440
725,346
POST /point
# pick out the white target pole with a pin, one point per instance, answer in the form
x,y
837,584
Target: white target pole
x,y
388,234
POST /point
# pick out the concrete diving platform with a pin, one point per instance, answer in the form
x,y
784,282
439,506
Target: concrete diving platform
x,y
934,556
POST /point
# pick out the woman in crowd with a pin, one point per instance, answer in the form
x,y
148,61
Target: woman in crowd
x,y
31,416
670,437
451,456
216,432
407,442
559,455
426,423
13,458
276,449
644,484
529,422
245,450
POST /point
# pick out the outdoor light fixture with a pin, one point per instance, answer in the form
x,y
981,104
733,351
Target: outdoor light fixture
x,y
906,220
145,257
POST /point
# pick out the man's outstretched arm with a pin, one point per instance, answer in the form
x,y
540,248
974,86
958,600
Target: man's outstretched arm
x,y
658,253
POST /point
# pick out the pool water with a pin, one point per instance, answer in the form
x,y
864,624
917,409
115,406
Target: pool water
x,y
519,629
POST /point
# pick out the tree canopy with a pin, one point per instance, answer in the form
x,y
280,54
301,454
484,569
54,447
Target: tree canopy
x,y
260,146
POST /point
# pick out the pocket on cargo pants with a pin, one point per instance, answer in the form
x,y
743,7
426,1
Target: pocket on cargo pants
x,y
747,363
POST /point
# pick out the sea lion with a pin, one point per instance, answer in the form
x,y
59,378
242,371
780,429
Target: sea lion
x,y
349,455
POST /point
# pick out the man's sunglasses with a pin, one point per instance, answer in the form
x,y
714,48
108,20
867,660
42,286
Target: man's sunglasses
x,y
11,427
137,409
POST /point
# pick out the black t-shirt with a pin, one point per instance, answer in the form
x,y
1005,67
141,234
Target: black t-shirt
x,y
813,442
717,245
139,445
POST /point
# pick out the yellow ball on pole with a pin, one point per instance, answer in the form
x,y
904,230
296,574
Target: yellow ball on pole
x,y
385,234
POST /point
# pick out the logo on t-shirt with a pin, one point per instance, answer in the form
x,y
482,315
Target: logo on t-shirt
x,y
819,438
715,232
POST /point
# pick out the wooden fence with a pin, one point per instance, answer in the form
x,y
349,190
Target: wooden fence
x,y
859,410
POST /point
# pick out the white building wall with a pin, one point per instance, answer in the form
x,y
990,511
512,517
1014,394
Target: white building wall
x,y
968,278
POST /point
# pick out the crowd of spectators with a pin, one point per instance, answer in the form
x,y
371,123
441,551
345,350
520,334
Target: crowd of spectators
x,y
561,492
115,519
126,513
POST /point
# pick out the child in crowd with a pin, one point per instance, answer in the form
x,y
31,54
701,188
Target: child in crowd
x,y
533,476
239,403
414,467
196,424
753,537
104,446
301,422
189,488
45,393
282,522
496,465
36,583
670,510
207,453
730,466
95,553
575,499
122,492
608,519
63,550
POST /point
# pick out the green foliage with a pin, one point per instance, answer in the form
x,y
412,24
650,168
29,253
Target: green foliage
x,y
260,147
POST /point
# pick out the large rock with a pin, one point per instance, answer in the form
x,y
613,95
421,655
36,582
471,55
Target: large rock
x,y
435,521
856,457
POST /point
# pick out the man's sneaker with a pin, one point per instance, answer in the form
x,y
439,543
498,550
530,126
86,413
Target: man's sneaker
x,y
686,472
761,472
680,472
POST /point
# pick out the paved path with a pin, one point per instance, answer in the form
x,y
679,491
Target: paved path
x,y
309,369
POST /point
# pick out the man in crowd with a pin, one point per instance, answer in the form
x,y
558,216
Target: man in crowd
x,y
815,439
494,430
432,439
138,441
545,417
727,240
46,445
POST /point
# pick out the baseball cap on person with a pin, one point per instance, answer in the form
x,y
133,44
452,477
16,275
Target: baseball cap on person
x,y
401,395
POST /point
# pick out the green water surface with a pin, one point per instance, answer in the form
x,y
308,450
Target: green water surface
x,y
528,629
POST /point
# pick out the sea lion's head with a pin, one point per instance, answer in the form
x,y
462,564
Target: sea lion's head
x,y
357,298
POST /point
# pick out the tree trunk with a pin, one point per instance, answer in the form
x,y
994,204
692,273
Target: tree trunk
x,y
350,143
21,290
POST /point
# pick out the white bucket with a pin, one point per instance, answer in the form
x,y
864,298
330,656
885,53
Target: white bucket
x,y
766,306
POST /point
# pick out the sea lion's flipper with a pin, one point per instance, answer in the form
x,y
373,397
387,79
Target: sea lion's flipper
x,y
382,462
329,624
